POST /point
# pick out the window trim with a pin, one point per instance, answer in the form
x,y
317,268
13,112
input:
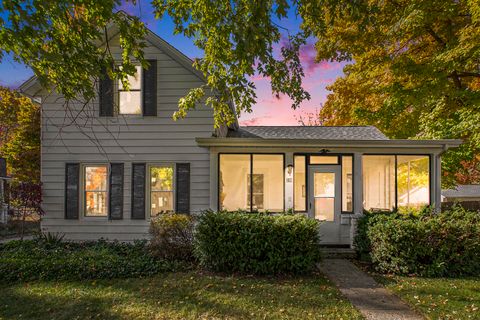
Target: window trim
x,y
148,189
82,196
395,155
118,91
339,163
338,156
251,154
353,182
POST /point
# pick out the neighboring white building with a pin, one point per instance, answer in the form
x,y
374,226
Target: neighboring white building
x,y
462,192
130,161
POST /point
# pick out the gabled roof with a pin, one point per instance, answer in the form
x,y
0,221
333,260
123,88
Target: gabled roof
x,y
32,87
463,191
309,132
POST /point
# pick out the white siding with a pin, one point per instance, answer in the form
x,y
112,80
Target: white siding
x,y
124,139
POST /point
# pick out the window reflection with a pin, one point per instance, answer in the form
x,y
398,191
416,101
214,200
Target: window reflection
x,y
378,182
161,189
95,190
413,181
130,101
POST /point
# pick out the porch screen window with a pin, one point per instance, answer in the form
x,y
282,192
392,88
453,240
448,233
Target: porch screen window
x,y
396,181
95,190
251,182
130,101
161,189
378,182
413,181
255,191
347,184
267,182
234,182
299,182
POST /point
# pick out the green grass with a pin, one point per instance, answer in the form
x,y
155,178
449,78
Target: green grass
x,y
191,295
438,298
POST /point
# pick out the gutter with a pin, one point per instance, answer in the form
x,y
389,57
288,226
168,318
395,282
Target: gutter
x,y
315,143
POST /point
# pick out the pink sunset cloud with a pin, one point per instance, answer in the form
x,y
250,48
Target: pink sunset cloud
x,y
272,110
308,55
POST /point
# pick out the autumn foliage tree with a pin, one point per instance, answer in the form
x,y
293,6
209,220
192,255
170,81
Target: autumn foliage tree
x,y
20,135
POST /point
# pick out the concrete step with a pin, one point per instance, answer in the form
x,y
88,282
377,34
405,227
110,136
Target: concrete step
x,y
338,253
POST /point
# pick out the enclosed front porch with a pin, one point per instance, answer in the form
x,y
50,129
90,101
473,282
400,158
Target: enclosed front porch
x,y
334,186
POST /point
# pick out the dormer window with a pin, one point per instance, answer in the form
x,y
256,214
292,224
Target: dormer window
x,y
130,101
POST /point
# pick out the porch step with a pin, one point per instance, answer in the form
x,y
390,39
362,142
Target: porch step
x,y
338,253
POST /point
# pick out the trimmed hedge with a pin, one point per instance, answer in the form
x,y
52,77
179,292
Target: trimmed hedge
x,y
438,245
257,243
55,260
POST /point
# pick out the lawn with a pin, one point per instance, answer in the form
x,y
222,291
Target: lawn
x,y
438,298
189,295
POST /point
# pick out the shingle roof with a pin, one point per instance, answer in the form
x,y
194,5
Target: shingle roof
x,y
309,132
463,191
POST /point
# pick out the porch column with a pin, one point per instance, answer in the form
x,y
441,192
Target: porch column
x,y
213,179
357,183
288,181
357,195
436,189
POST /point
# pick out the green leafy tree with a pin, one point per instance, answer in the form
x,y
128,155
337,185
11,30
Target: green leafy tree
x,y
20,135
414,65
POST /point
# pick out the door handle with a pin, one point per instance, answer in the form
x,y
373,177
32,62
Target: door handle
x,y
310,205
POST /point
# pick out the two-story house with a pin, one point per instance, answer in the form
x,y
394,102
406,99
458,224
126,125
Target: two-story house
x,y
111,165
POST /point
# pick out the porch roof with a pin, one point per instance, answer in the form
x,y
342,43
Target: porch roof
x,y
319,136
309,132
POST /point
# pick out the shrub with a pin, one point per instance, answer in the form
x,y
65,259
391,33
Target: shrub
x,y
444,244
257,243
36,259
362,240
172,237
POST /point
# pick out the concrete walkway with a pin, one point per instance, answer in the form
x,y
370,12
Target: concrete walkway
x,y
370,298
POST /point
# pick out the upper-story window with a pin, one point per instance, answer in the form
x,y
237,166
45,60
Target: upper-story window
x,y
130,101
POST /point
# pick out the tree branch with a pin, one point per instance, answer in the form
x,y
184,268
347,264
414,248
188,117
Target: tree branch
x,y
468,74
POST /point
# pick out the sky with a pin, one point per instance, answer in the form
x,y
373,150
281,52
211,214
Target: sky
x,y
268,110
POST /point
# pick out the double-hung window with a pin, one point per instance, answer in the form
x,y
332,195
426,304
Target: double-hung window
x,y
130,101
161,189
95,190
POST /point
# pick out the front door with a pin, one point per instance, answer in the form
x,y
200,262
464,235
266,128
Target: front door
x,y
324,200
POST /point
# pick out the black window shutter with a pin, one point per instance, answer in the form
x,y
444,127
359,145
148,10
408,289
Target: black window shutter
x,y
72,185
115,208
183,188
138,191
150,89
106,95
